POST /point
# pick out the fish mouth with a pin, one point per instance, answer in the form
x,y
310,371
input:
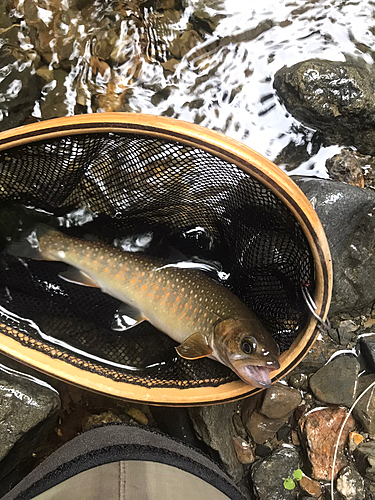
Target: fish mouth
x,y
255,375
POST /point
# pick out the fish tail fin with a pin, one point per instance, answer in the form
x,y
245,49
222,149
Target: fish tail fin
x,y
27,244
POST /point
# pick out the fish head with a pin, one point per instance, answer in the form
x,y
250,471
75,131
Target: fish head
x,y
245,346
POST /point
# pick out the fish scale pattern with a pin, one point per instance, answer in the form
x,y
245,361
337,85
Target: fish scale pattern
x,y
189,200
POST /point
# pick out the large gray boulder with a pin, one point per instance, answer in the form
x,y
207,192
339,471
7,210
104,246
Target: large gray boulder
x,y
28,409
347,214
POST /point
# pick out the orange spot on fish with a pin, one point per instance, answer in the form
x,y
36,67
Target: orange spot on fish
x,y
140,281
132,280
157,296
149,295
204,315
199,320
168,294
169,304
152,284
144,287
181,306
106,269
143,273
195,310
163,288
95,261
117,276
161,303
186,305
177,299
174,309
156,288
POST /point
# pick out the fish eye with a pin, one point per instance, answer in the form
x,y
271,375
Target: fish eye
x,y
249,345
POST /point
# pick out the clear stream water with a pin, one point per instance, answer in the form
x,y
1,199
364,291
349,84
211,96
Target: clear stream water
x,y
225,82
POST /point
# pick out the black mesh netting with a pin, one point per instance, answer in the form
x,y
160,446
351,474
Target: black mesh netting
x,y
180,200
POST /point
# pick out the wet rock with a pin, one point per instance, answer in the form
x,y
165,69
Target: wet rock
x,y
299,380
345,331
319,431
364,411
335,382
262,450
336,98
350,484
182,45
365,459
263,428
268,475
283,433
137,415
279,401
367,346
345,167
310,487
27,412
214,425
205,22
245,451
95,420
347,214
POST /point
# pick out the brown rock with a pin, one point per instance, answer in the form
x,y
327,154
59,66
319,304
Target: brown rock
x,y
262,428
279,401
245,451
320,429
311,487
346,167
181,46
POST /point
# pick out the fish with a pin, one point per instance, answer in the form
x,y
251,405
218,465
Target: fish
x,y
202,315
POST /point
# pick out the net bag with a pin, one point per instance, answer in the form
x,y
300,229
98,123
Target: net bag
x,y
182,187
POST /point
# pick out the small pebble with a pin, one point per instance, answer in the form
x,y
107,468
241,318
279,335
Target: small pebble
x,y
138,415
354,440
262,450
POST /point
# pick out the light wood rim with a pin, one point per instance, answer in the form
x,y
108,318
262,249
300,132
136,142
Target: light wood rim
x,y
229,150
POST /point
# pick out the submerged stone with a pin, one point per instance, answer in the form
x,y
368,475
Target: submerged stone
x,y
335,382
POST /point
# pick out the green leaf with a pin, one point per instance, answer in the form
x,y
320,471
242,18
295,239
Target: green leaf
x,y
297,474
289,484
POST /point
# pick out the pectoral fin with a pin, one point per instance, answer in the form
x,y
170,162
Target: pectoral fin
x,y
74,275
194,347
126,317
